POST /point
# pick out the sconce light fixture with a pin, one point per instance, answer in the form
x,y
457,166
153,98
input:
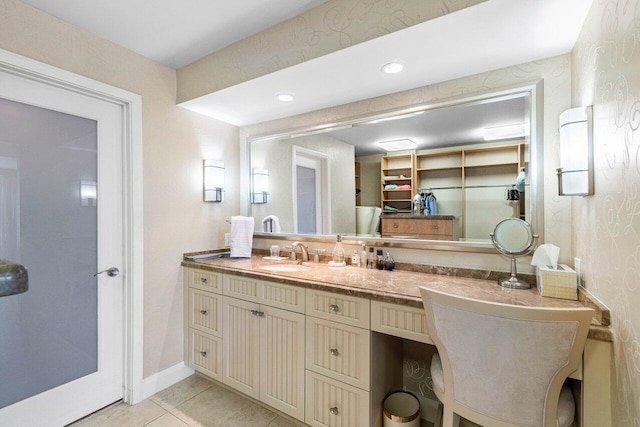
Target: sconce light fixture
x,y
88,193
575,175
213,180
260,186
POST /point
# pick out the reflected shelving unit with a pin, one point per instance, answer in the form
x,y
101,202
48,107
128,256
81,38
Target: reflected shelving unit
x,y
397,170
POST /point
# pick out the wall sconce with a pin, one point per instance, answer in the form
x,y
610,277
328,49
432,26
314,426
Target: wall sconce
x,y
575,175
260,186
213,180
88,193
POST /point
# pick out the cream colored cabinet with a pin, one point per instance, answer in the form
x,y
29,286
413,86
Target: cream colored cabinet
x,y
400,321
338,360
335,404
203,321
264,345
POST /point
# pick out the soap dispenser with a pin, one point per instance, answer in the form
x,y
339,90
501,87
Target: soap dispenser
x,y
338,253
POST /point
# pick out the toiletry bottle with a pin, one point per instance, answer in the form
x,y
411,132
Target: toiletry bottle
x,y
379,260
363,257
338,251
371,260
355,259
389,263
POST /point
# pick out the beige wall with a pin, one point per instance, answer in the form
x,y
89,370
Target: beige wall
x,y
334,25
277,156
175,143
606,226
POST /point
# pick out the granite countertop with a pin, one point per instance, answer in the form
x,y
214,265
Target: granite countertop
x,y
398,286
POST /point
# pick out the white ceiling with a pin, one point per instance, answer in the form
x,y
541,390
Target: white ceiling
x,y
172,32
488,36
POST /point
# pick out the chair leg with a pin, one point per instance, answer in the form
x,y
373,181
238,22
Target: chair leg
x,y
450,419
438,421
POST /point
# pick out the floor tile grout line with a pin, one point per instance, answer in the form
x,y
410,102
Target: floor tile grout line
x,y
161,415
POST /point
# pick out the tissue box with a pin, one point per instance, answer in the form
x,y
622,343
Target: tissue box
x,y
559,283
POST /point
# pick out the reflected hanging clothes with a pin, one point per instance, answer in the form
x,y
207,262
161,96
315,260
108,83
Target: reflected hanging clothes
x,y
429,203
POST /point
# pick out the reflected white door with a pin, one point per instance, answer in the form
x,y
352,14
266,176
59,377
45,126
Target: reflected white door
x,y
61,342
312,214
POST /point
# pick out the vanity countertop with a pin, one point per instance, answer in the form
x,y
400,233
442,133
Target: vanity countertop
x,y
398,286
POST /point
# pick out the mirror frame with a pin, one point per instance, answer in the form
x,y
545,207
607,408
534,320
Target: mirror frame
x,y
536,175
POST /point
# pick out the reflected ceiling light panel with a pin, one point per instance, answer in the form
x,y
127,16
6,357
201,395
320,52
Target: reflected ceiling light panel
x,y
517,130
398,144
392,67
285,97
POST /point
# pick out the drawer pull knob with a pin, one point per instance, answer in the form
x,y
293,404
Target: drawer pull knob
x,y
203,353
395,225
203,279
257,313
334,352
435,227
203,312
334,410
334,308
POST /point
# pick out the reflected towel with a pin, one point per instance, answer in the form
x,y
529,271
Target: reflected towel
x,y
271,224
241,237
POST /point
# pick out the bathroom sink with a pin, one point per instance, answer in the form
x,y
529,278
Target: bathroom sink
x,y
285,267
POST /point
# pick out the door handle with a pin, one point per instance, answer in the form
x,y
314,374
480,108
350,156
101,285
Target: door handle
x,y
111,272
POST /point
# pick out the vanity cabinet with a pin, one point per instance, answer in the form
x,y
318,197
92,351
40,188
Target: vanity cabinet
x,y
203,321
264,345
423,227
338,348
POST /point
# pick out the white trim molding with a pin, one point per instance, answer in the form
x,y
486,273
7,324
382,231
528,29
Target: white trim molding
x,y
164,379
131,104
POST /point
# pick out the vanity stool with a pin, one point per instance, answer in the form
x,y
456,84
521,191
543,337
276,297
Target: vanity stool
x,y
503,365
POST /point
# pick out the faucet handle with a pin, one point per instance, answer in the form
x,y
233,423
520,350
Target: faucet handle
x,y
316,254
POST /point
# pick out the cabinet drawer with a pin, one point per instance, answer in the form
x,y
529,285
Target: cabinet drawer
x,y
205,280
400,321
331,403
205,354
406,226
278,295
205,311
339,351
240,287
339,308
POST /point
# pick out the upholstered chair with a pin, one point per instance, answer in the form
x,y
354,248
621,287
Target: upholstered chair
x,y
502,365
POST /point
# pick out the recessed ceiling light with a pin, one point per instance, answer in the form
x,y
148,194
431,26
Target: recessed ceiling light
x,y
285,97
398,144
392,68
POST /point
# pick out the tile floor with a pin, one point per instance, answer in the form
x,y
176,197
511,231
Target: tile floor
x,y
193,402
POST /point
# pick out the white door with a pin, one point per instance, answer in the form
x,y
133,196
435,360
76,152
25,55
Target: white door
x,y
61,342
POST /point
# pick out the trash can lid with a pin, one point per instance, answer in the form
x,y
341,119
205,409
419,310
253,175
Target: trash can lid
x,y
401,406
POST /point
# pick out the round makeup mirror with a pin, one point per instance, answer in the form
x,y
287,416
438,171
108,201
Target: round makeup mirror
x,y
513,237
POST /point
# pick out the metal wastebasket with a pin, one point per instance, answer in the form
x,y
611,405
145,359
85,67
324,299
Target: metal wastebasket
x,y
401,408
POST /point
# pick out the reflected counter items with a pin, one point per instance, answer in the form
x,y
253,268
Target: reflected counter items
x,y
13,278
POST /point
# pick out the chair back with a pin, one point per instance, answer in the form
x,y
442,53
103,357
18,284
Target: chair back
x,y
502,362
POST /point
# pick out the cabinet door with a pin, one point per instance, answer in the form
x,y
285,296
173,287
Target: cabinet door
x,y
205,354
205,312
241,346
282,360
339,351
334,404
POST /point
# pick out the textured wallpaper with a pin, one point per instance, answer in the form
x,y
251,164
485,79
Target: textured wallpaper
x,y
606,226
334,25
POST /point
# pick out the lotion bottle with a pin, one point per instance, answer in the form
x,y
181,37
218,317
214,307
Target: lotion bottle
x,y
363,257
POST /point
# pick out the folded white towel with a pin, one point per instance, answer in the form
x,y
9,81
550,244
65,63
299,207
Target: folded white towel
x,y
271,224
241,237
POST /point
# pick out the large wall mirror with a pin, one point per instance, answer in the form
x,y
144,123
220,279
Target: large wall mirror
x,y
470,162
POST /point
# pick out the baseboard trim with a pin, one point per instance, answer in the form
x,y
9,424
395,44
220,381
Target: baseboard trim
x,y
163,379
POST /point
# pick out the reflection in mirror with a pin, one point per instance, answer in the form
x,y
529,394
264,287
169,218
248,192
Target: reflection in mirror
x,y
470,166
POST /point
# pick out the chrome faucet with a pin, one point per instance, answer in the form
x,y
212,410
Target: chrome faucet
x,y
303,251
